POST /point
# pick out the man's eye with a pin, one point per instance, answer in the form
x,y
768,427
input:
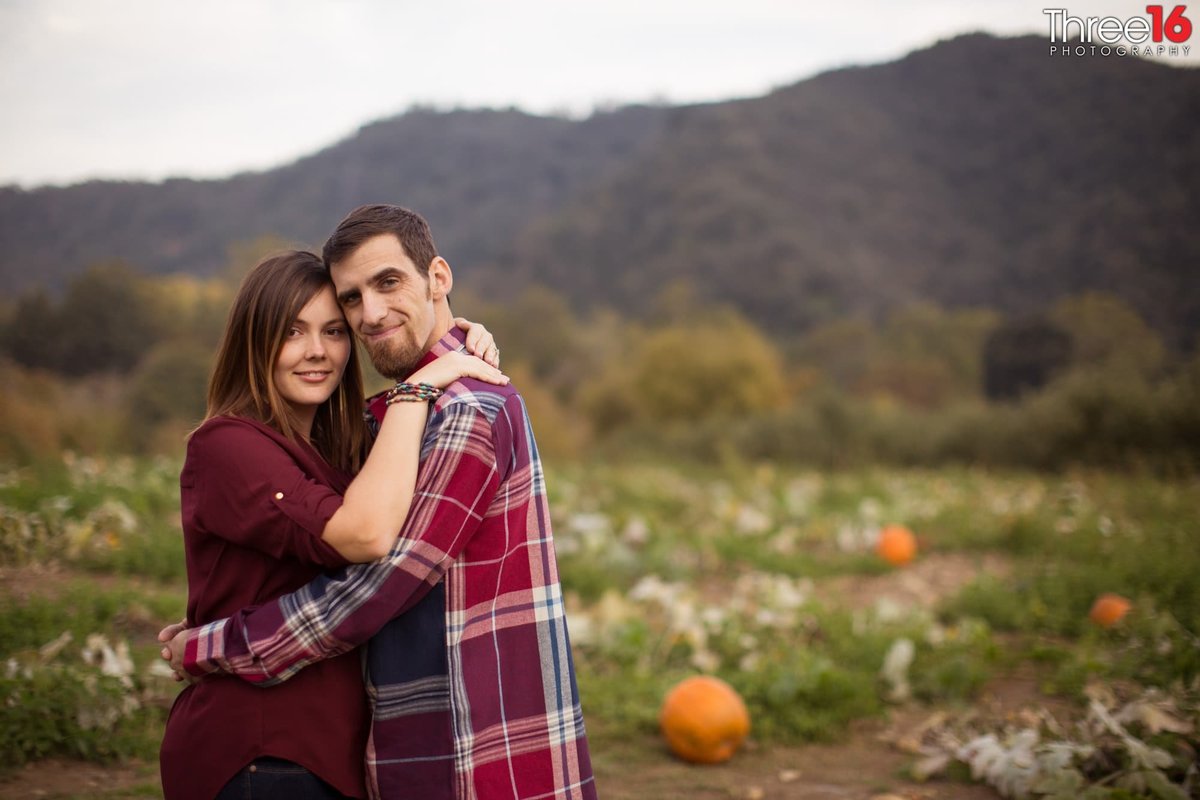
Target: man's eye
x,y
389,283
350,299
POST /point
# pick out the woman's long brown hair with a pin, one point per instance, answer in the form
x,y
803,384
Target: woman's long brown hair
x,y
267,304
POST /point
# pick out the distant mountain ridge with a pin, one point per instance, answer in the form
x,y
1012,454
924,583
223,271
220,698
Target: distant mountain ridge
x,y
476,175
979,171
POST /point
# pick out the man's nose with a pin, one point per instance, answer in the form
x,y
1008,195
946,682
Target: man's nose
x,y
374,309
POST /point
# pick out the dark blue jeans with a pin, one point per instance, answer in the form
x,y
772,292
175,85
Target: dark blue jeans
x,y
275,779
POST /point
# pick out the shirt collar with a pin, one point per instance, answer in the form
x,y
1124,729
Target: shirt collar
x,y
454,341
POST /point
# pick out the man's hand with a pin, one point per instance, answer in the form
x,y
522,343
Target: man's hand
x,y
174,636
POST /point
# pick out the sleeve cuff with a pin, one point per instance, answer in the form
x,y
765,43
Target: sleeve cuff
x,y
204,649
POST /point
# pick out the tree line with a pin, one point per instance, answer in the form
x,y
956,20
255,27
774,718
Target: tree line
x,y
119,363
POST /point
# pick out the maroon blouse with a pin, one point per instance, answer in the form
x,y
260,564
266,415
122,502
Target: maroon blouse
x,y
254,505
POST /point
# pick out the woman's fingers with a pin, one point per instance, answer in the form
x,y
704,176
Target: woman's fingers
x,y
480,341
479,338
465,366
481,370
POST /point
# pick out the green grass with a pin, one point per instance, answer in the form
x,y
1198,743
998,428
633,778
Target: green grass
x,y
83,608
1129,535
108,516
67,710
56,704
672,571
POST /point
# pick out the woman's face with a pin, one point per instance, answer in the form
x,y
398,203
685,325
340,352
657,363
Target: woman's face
x,y
315,351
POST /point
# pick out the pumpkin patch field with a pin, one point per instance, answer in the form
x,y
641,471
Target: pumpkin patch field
x,y
875,634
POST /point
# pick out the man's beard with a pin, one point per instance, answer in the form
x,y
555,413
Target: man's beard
x,y
395,360
397,357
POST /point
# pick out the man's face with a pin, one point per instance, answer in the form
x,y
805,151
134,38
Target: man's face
x,y
388,303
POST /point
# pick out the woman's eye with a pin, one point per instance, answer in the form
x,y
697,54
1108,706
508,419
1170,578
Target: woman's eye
x,y
335,332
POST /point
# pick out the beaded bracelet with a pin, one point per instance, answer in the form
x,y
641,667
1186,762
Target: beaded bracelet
x,y
412,393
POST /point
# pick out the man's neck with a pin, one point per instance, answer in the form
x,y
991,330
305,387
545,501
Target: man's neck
x,y
443,321
454,337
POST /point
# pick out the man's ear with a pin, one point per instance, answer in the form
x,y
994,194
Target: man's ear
x,y
441,279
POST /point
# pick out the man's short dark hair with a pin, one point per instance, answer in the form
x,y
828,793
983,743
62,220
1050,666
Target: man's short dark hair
x,y
367,222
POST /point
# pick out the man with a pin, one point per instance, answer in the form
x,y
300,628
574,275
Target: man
x,y
468,664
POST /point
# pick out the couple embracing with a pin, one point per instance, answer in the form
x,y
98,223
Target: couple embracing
x,y
374,606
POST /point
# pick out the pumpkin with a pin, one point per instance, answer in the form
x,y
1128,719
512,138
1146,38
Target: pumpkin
x,y
897,545
1109,609
704,720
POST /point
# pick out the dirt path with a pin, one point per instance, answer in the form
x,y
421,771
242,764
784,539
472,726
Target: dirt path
x,y
58,779
53,580
864,766
921,584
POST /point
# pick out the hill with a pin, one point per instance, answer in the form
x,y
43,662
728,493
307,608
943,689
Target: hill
x,y
978,172
476,175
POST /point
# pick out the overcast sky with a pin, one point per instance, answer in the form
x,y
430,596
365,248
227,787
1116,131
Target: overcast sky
x,y
153,88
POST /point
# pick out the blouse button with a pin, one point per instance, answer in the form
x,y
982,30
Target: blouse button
x,y
254,768
279,495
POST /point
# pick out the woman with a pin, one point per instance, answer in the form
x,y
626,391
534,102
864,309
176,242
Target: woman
x,y
267,503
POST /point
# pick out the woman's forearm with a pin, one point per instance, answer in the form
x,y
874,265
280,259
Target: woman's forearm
x,y
378,499
375,505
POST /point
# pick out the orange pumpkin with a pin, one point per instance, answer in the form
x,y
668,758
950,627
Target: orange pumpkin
x,y
704,720
897,545
1109,609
